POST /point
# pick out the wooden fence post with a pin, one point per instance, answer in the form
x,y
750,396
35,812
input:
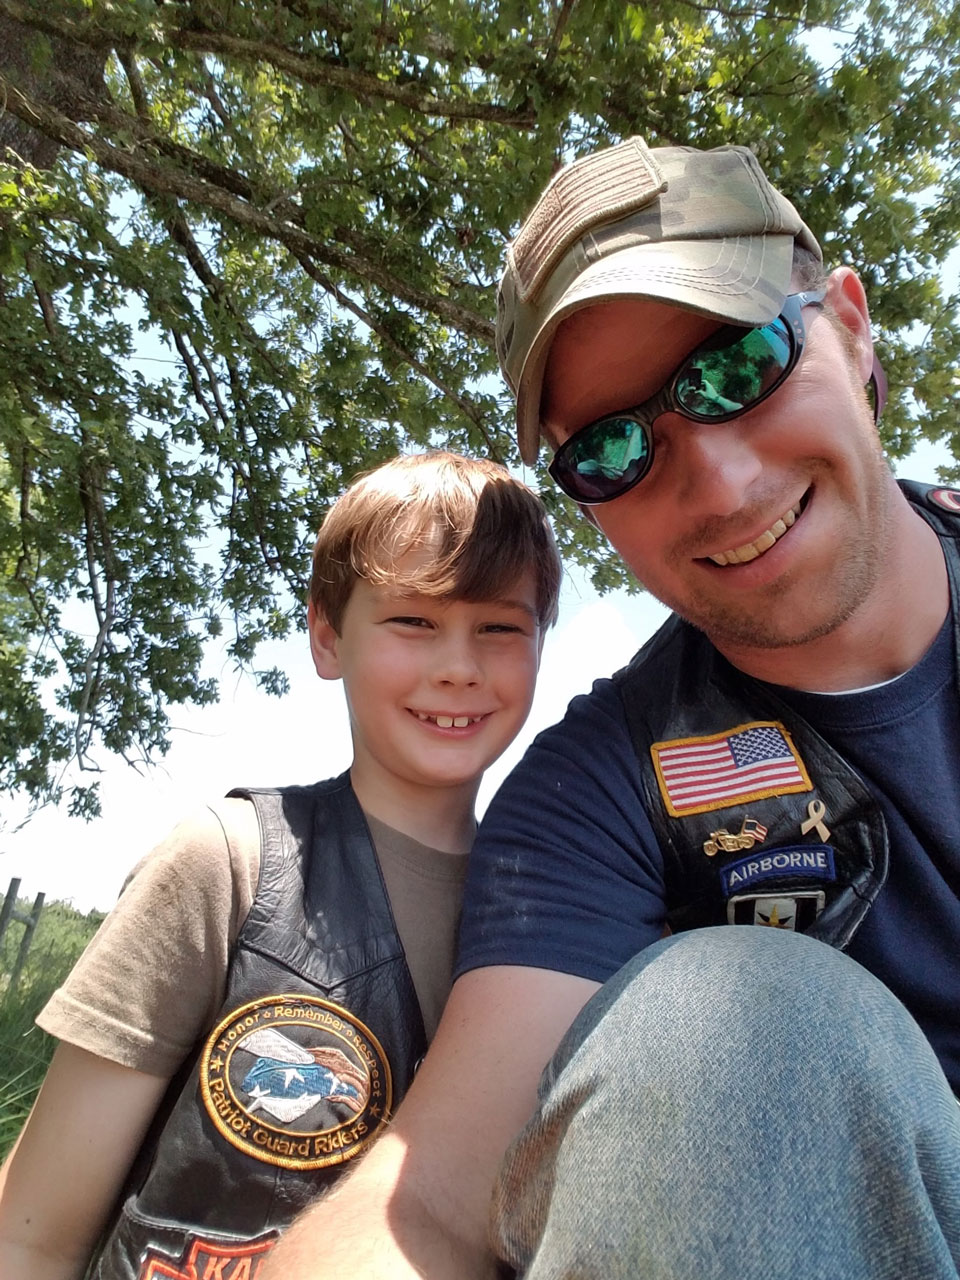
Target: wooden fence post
x,y
9,902
9,912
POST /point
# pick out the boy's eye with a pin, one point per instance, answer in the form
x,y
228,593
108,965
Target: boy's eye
x,y
406,620
502,626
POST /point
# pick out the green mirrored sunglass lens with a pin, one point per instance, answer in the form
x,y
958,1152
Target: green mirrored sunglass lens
x,y
726,380
606,459
614,447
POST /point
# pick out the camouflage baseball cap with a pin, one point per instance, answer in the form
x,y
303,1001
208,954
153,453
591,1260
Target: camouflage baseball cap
x,y
703,230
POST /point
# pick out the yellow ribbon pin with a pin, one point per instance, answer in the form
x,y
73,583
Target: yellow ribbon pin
x,y
816,810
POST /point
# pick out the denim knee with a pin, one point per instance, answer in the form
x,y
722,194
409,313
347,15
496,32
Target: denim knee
x,y
728,1091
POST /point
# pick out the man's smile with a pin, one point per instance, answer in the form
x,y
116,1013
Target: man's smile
x,y
751,550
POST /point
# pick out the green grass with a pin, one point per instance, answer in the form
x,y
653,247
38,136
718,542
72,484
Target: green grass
x,y
25,1050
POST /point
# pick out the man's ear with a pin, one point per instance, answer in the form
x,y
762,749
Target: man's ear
x,y
846,296
324,644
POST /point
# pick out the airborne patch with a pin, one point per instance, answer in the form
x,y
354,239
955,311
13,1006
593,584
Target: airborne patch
x,y
749,762
204,1259
295,1081
806,861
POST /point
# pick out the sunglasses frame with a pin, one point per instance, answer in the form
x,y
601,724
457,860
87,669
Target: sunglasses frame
x,y
665,400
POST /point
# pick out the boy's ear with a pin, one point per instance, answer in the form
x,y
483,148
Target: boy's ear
x,y
324,645
845,293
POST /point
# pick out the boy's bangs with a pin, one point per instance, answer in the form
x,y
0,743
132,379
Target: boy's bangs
x,y
440,525
466,553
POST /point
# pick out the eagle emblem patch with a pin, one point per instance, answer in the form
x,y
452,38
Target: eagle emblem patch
x,y
296,1081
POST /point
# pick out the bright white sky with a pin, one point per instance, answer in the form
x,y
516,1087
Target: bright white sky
x,y
249,738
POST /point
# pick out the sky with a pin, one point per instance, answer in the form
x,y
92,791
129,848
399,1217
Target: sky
x,y
252,739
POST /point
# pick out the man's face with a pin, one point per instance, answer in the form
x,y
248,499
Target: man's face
x,y
796,487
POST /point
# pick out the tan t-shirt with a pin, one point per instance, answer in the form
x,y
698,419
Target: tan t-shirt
x,y
153,978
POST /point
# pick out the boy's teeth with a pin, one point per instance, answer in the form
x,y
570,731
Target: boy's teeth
x,y
450,722
750,550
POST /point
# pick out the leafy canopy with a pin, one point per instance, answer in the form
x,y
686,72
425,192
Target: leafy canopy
x,y
248,248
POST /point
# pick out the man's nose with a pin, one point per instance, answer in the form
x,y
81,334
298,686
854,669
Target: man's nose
x,y
715,465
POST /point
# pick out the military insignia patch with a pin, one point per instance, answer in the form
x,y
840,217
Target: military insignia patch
x,y
795,911
295,1081
947,499
208,1260
750,762
807,861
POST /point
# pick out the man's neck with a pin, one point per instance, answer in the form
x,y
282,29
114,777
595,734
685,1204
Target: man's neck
x,y
886,636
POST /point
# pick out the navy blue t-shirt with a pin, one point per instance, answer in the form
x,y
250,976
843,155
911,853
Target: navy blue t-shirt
x,y
566,873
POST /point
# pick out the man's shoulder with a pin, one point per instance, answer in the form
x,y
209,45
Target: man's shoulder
x,y
938,500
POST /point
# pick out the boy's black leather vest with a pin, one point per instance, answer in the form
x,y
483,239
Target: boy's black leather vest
x,y
759,820
317,1041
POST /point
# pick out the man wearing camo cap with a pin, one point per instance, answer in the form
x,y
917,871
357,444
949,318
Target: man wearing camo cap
x,y
783,754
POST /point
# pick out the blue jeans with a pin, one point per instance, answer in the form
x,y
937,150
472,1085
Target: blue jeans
x,y
742,1103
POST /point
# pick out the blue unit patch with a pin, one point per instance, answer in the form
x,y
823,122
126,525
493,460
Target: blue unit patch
x,y
807,861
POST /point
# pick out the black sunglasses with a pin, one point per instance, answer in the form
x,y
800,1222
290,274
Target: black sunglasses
x,y
722,378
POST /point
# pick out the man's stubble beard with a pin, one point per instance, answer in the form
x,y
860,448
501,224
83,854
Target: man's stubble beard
x,y
731,626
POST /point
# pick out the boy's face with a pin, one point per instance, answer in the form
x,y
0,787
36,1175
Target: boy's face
x,y
436,689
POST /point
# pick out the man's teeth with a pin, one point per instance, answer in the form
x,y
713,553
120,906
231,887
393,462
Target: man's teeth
x,y
449,722
750,550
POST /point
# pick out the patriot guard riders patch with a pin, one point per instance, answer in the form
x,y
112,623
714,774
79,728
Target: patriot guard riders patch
x,y
295,1081
750,762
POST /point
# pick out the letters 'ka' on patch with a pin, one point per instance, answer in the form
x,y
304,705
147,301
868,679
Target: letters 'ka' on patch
x,y
749,762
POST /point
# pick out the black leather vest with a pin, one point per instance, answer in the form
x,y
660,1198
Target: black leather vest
x,y
759,820
316,1043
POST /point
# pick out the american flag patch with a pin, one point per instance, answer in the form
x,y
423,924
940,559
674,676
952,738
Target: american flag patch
x,y
746,763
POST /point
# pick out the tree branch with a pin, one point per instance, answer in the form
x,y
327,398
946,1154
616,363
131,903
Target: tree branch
x,y
468,409
359,84
97,531
303,68
170,181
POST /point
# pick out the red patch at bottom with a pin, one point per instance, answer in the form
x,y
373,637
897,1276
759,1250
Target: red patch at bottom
x,y
209,1260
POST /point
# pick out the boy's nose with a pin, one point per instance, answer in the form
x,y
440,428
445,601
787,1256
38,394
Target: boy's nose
x,y
456,663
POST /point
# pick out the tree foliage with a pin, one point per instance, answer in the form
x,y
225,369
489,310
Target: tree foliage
x,y
248,247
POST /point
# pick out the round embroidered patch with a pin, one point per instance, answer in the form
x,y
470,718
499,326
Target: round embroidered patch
x,y
948,499
296,1081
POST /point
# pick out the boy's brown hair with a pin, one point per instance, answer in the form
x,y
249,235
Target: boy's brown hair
x,y
483,528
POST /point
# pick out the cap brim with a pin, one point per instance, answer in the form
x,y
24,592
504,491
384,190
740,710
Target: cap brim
x,y
742,280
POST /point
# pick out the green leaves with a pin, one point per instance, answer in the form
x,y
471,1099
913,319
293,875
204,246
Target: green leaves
x,y
250,249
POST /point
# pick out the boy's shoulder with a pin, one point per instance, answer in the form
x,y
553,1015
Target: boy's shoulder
x,y
217,842
138,996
